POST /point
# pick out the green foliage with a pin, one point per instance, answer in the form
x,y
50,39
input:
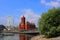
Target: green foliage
x,y
49,23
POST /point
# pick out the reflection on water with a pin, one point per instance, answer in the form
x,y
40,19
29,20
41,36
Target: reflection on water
x,y
16,37
23,37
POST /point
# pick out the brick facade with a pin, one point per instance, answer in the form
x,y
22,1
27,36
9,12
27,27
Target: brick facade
x,y
26,25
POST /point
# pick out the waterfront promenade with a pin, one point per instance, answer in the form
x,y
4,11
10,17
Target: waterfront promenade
x,y
22,32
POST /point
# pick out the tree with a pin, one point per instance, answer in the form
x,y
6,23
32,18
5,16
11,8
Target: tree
x,y
2,27
49,21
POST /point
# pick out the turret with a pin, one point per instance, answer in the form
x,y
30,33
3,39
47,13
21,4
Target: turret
x,y
22,24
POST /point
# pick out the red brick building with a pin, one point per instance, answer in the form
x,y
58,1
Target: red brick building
x,y
26,25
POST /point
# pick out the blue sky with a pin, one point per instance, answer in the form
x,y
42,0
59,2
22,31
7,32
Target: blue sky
x,y
31,9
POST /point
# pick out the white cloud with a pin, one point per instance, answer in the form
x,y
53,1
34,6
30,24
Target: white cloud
x,y
9,20
42,1
58,0
31,16
2,20
55,3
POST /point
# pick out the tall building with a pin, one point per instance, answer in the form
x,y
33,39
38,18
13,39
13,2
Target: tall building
x,y
26,25
22,24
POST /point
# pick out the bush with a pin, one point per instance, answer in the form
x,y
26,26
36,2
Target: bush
x,y
58,30
51,33
49,23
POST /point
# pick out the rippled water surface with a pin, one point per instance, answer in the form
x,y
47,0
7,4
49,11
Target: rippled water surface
x,y
16,37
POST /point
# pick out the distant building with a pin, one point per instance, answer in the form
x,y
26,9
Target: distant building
x,y
26,25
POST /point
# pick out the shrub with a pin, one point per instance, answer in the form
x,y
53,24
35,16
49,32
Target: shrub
x,y
49,23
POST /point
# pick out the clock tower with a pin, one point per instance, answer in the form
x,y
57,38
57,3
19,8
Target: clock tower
x,y
22,24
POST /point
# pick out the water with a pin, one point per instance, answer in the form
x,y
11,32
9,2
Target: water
x,y
16,37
